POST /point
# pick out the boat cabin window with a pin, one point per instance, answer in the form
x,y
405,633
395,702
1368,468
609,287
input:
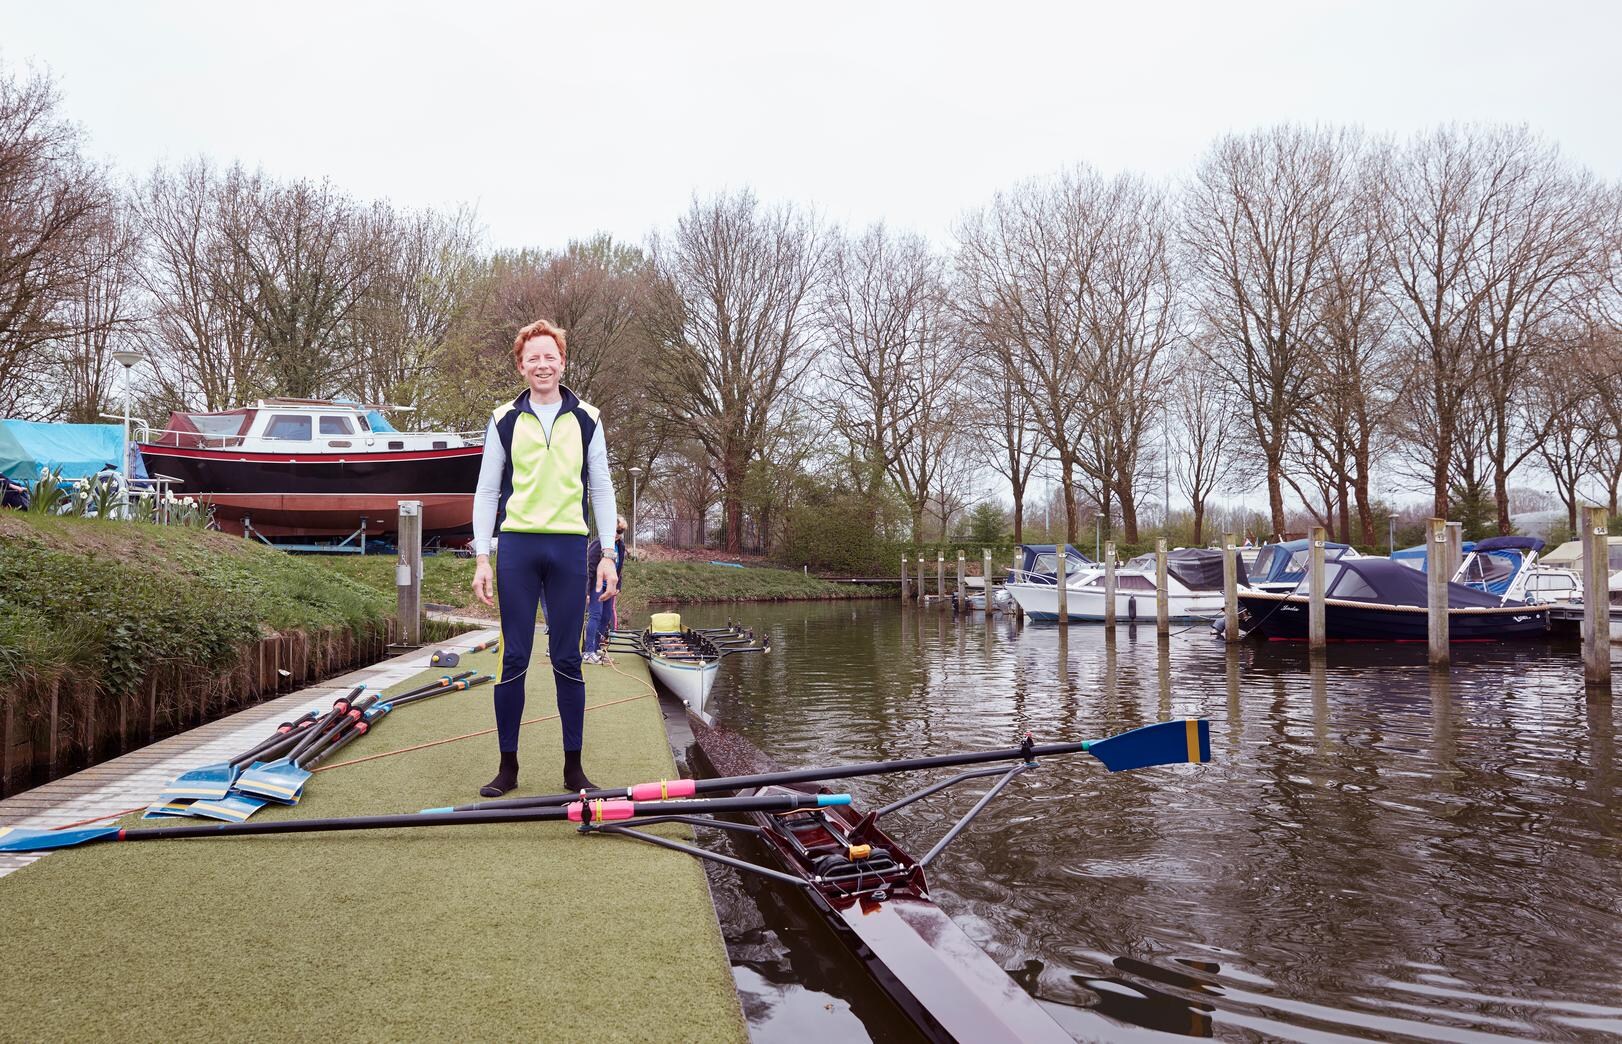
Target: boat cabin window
x,y
336,426
1350,585
288,426
363,423
396,444
1551,584
1615,557
1264,562
1045,564
1484,571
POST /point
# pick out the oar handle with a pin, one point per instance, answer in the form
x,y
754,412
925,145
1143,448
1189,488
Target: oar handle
x,y
275,738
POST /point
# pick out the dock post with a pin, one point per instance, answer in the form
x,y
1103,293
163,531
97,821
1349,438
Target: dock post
x,y
904,591
1596,628
940,574
408,573
985,572
1109,587
1230,588
1162,599
1455,548
1436,577
923,584
962,594
1316,631
1061,576
1014,574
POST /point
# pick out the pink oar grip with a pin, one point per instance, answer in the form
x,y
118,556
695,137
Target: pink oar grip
x,y
670,788
602,811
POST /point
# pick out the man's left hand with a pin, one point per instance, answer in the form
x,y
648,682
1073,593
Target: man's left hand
x,y
608,581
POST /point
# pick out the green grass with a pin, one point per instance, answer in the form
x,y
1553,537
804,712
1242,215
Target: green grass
x,y
448,580
499,932
104,600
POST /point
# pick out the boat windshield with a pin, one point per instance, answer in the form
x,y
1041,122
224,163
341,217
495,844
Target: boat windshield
x,y
1489,572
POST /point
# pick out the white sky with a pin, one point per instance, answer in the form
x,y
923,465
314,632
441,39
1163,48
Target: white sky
x,y
557,121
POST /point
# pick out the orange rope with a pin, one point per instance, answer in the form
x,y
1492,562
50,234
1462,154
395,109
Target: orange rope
x,y
420,746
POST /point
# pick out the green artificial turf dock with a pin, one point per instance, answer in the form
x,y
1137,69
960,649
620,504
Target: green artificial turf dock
x,y
498,932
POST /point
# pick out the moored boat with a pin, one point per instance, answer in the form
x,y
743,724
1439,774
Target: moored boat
x,y
1375,599
312,467
685,660
1193,590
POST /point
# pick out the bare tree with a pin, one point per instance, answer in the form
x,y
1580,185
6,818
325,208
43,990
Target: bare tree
x,y
103,314
1262,215
52,201
1204,421
1022,263
999,422
729,313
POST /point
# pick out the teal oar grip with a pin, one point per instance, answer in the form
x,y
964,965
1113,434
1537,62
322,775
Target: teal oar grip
x,y
825,800
436,811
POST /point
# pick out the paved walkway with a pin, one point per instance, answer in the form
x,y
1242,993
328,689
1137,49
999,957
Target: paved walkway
x,y
133,780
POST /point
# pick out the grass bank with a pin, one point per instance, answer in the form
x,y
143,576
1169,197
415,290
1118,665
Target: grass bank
x,y
448,580
113,631
482,933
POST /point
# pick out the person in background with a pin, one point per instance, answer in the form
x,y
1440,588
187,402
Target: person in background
x,y
603,615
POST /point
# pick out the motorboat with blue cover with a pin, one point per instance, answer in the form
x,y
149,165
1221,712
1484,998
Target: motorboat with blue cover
x,y
1376,599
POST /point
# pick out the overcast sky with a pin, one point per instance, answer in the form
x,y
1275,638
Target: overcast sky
x,y
556,121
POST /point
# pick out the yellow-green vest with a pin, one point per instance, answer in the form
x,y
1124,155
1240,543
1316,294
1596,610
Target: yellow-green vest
x,y
543,486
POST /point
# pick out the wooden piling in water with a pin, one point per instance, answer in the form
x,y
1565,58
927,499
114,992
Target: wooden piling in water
x,y
1316,619
1596,626
940,574
1109,587
1436,576
961,605
1019,610
1061,576
1230,589
1455,548
904,580
985,573
1162,598
923,584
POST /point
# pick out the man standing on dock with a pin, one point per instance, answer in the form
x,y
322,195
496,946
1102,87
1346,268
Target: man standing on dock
x,y
544,452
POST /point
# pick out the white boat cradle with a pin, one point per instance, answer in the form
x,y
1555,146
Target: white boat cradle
x,y
686,660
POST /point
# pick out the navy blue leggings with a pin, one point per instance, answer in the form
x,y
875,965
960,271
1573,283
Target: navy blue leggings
x,y
530,567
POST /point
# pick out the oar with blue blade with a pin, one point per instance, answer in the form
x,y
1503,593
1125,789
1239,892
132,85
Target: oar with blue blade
x,y
283,781
270,779
214,781
1163,743
20,839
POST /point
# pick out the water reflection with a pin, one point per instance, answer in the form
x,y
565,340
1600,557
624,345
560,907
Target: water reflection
x,y
1379,850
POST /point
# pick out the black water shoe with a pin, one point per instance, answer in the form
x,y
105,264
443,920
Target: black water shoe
x,y
574,777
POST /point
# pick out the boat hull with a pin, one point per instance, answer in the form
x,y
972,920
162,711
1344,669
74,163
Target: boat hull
x,y
689,682
291,494
1284,618
1041,602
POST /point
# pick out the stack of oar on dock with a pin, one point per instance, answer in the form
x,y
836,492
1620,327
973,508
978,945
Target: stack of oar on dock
x,y
277,768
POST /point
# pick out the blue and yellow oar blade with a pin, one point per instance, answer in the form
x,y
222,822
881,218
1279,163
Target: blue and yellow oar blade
x,y
1163,743
19,839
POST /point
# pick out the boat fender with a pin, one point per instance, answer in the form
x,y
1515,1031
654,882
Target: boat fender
x,y
1132,608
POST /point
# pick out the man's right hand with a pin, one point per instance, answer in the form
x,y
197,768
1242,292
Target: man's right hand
x,y
484,581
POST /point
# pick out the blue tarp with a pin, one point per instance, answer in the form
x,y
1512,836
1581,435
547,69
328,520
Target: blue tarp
x,y
1414,557
78,449
1286,562
1390,583
377,422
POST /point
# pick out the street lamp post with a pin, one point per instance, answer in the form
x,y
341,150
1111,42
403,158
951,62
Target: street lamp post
x,y
636,473
127,358
1391,535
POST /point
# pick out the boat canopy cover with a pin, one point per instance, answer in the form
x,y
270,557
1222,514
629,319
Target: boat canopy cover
x,y
195,430
1414,557
80,450
1040,559
1392,583
1200,568
1287,562
1509,543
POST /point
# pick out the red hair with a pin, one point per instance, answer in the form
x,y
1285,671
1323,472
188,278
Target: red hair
x,y
540,328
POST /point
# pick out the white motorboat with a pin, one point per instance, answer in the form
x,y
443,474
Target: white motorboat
x,y
1193,590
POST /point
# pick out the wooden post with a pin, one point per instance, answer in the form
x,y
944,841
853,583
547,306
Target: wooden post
x,y
1316,631
1230,589
904,580
923,585
1436,577
962,592
1162,599
1596,628
408,573
1019,610
985,572
1455,548
1061,576
940,574
1109,587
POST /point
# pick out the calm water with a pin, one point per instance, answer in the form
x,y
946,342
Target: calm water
x,y
1377,852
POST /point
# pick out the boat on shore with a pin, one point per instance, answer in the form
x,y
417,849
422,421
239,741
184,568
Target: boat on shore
x,y
316,468
1376,599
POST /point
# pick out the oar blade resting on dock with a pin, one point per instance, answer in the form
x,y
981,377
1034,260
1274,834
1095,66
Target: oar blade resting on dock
x,y
21,839
1163,743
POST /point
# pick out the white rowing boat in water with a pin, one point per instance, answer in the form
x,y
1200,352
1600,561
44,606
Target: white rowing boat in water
x,y
686,660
